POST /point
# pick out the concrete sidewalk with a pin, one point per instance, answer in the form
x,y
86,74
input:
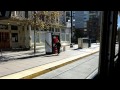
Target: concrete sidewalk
x,y
20,66
13,55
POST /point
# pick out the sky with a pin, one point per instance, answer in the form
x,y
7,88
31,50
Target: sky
x,y
118,21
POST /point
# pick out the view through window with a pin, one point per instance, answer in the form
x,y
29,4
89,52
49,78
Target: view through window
x,y
36,46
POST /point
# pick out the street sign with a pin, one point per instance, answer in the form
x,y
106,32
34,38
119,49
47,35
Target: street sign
x,y
5,14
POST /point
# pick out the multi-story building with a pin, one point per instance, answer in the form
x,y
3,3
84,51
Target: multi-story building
x,y
66,32
93,26
17,32
81,20
13,32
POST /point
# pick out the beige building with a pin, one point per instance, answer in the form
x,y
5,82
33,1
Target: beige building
x,y
15,33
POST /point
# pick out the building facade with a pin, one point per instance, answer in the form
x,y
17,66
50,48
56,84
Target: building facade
x,y
83,22
17,33
93,26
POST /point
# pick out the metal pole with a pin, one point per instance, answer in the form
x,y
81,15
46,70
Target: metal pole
x,y
71,26
34,32
89,44
71,32
89,30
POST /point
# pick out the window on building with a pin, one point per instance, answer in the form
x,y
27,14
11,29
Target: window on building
x,y
27,27
67,19
85,24
32,28
18,13
14,37
52,30
68,14
63,36
62,31
14,27
3,26
42,17
67,37
37,28
57,30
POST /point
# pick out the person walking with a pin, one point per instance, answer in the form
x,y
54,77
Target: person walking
x,y
58,45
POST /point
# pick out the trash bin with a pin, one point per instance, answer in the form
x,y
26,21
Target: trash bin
x,y
84,43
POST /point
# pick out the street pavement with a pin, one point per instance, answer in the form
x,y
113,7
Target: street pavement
x,y
80,69
21,63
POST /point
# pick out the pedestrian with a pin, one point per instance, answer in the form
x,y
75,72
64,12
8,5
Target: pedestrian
x,y
58,45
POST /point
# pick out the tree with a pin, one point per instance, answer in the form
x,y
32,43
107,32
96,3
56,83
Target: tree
x,y
41,19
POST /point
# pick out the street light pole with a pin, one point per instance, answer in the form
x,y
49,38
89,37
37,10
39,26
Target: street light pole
x,y
71,45
89,34
71,27
34,32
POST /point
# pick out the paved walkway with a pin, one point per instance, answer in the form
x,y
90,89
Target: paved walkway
x,y
17,65
80,69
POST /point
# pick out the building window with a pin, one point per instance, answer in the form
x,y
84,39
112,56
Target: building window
x,y
67,37
17,13
14,27
62,31
27,27
2,26
85,24
63,36
68,14
57,30
52,29
67,19
32,28
14,37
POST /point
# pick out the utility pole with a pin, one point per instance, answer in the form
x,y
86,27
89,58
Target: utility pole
x,y
71,31
34,32
90,26
71,26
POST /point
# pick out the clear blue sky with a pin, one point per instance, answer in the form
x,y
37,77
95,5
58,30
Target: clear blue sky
x,y
118,21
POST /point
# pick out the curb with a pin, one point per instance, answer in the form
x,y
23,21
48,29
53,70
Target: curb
x,y
30,56
36,71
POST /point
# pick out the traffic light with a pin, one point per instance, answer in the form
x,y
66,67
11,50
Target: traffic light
x,y
5,14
